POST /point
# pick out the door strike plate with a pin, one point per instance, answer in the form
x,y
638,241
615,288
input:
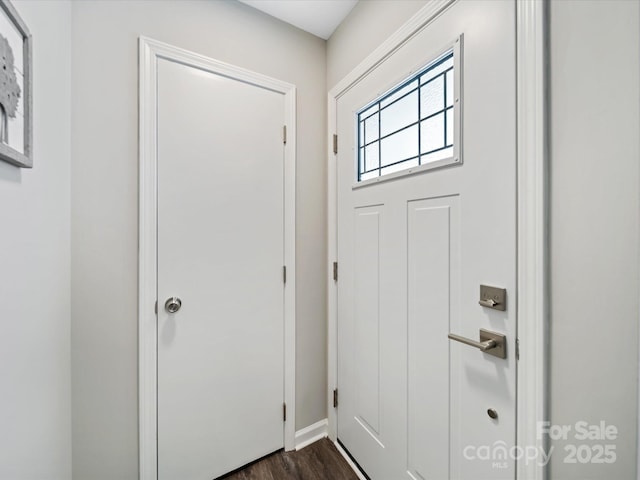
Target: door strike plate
x,y
493,297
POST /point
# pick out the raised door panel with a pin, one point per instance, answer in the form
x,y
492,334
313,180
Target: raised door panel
x,y
433,298
367,318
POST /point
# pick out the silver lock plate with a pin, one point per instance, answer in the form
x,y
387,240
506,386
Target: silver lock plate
x,y
493,297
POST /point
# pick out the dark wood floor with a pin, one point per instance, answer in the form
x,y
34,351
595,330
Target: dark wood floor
x,y
318,461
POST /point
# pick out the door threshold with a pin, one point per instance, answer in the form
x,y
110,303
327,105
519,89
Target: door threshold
x,y
355,466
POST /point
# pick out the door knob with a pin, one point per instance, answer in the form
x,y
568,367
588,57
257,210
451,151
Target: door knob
x,y
173,304
491,343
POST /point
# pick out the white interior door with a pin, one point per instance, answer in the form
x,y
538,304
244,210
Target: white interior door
x,y
220,250
414,250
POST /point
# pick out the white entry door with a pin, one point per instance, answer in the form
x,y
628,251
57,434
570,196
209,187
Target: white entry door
x,y
220,253
426,186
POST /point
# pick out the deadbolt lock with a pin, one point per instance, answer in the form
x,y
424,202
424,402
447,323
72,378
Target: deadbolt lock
x,y
493,297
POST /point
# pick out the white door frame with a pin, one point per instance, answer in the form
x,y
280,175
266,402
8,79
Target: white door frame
x,y
532,226
149,53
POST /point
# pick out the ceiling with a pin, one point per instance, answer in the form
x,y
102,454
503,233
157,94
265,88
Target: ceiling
x,y
319,17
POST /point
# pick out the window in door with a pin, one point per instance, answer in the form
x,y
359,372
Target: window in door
x,y
414,126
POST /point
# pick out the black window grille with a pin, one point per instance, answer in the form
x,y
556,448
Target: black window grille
x,y
411,125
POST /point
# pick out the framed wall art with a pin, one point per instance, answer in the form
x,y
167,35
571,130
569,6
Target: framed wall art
x,y
16,102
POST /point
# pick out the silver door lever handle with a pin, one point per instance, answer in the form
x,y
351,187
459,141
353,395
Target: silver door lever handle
x,y
491,343
484,346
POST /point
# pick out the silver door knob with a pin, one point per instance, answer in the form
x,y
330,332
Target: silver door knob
x,y
173,304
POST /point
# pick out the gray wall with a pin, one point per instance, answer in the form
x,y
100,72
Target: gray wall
x,y
368,25
594,213
595,122
594,209
35,400
104,231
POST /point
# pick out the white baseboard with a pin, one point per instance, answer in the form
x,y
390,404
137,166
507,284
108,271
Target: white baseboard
x,y
353,466
318,431
311,434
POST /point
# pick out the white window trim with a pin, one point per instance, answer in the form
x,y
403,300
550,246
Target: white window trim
x,y
532,222
149,52
458,107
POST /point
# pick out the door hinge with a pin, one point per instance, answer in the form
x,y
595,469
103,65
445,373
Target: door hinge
x,y
284,134
335,398
517,349
335,143
335,271
284,412
284,274
156,307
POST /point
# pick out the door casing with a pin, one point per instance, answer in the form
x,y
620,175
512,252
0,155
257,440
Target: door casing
x,y
532,217
149,51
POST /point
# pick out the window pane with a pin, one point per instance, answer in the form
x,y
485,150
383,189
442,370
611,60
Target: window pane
x,y
402,113
434,72
432,97
403,91
372,157
369,111
450,126
371,129
449,88
400,146
432,133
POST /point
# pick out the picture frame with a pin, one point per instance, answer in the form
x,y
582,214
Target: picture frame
x,y
16,88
